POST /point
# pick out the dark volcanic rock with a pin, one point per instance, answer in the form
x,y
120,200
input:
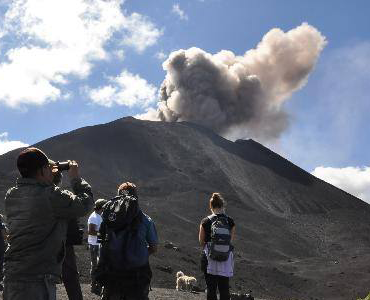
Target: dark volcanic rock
x,y
166,269
291,226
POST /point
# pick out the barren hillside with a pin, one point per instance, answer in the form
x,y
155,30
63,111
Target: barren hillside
x,y
297,236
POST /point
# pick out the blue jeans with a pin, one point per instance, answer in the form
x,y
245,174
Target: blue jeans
x,y
38,288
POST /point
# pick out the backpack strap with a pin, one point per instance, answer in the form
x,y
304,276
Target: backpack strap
x,y
214,217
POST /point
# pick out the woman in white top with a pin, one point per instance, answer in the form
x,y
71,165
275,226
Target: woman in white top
x,y
217,273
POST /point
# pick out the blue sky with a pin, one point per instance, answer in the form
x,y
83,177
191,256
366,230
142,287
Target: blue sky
x,y
73,63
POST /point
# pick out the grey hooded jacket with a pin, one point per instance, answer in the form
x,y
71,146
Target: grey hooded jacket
x,y
37,216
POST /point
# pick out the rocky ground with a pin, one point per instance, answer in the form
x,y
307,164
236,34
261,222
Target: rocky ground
x,y
155,294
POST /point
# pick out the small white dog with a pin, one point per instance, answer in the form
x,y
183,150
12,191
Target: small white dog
x,y
185,283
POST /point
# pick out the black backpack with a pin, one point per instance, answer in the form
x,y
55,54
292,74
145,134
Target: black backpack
x,y
122,249
120,212
219,247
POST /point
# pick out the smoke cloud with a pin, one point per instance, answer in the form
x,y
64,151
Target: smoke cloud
x,y
239,96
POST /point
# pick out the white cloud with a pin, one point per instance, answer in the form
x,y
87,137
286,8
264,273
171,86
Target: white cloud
x,y
120,54
141,32
126,89
6,145
149,115
161,55
57,39
179,12
354,180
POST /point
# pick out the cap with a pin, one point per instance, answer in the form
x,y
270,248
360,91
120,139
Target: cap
x,y
31,159
100,203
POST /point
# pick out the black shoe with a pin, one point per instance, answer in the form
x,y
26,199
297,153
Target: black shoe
x,y
96,290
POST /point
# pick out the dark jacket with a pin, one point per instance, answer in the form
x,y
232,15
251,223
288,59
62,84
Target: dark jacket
x,y
74,233
37,216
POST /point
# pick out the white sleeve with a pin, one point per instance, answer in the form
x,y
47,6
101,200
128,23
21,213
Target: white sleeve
x,y
93,220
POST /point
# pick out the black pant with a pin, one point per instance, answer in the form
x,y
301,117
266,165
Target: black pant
x,y
70,275
2,251
115,293
129,285
215,281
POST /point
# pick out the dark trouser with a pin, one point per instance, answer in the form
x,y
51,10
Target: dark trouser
x,y
70,275
215,281
32,288
131,285
2,250
115,293
94,256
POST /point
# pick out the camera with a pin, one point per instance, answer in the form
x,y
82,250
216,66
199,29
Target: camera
x,y
63,166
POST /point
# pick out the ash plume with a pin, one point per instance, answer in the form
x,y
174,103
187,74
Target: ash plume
x,y
239,96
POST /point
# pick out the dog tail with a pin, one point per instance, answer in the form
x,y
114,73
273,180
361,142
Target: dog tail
x,y
179,274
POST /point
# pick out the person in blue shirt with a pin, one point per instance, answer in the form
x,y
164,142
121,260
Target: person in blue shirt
x,y
132,284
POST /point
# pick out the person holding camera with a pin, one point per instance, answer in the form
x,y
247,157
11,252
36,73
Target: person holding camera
x,y
37,213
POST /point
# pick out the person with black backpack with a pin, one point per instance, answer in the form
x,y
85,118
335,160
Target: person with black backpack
x,y
216,232
128,237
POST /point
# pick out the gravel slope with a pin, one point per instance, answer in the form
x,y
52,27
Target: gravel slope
x,y
297,237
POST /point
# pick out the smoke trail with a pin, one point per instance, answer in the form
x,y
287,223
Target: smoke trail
x,y
239,96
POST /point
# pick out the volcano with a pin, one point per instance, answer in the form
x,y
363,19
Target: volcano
x,y
296,235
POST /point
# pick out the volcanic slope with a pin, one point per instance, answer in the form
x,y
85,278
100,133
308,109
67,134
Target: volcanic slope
x,y
297,236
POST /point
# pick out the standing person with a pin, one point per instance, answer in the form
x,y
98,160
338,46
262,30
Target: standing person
x,y
37,214
93,226
128,238
70,274
216,232
2,249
